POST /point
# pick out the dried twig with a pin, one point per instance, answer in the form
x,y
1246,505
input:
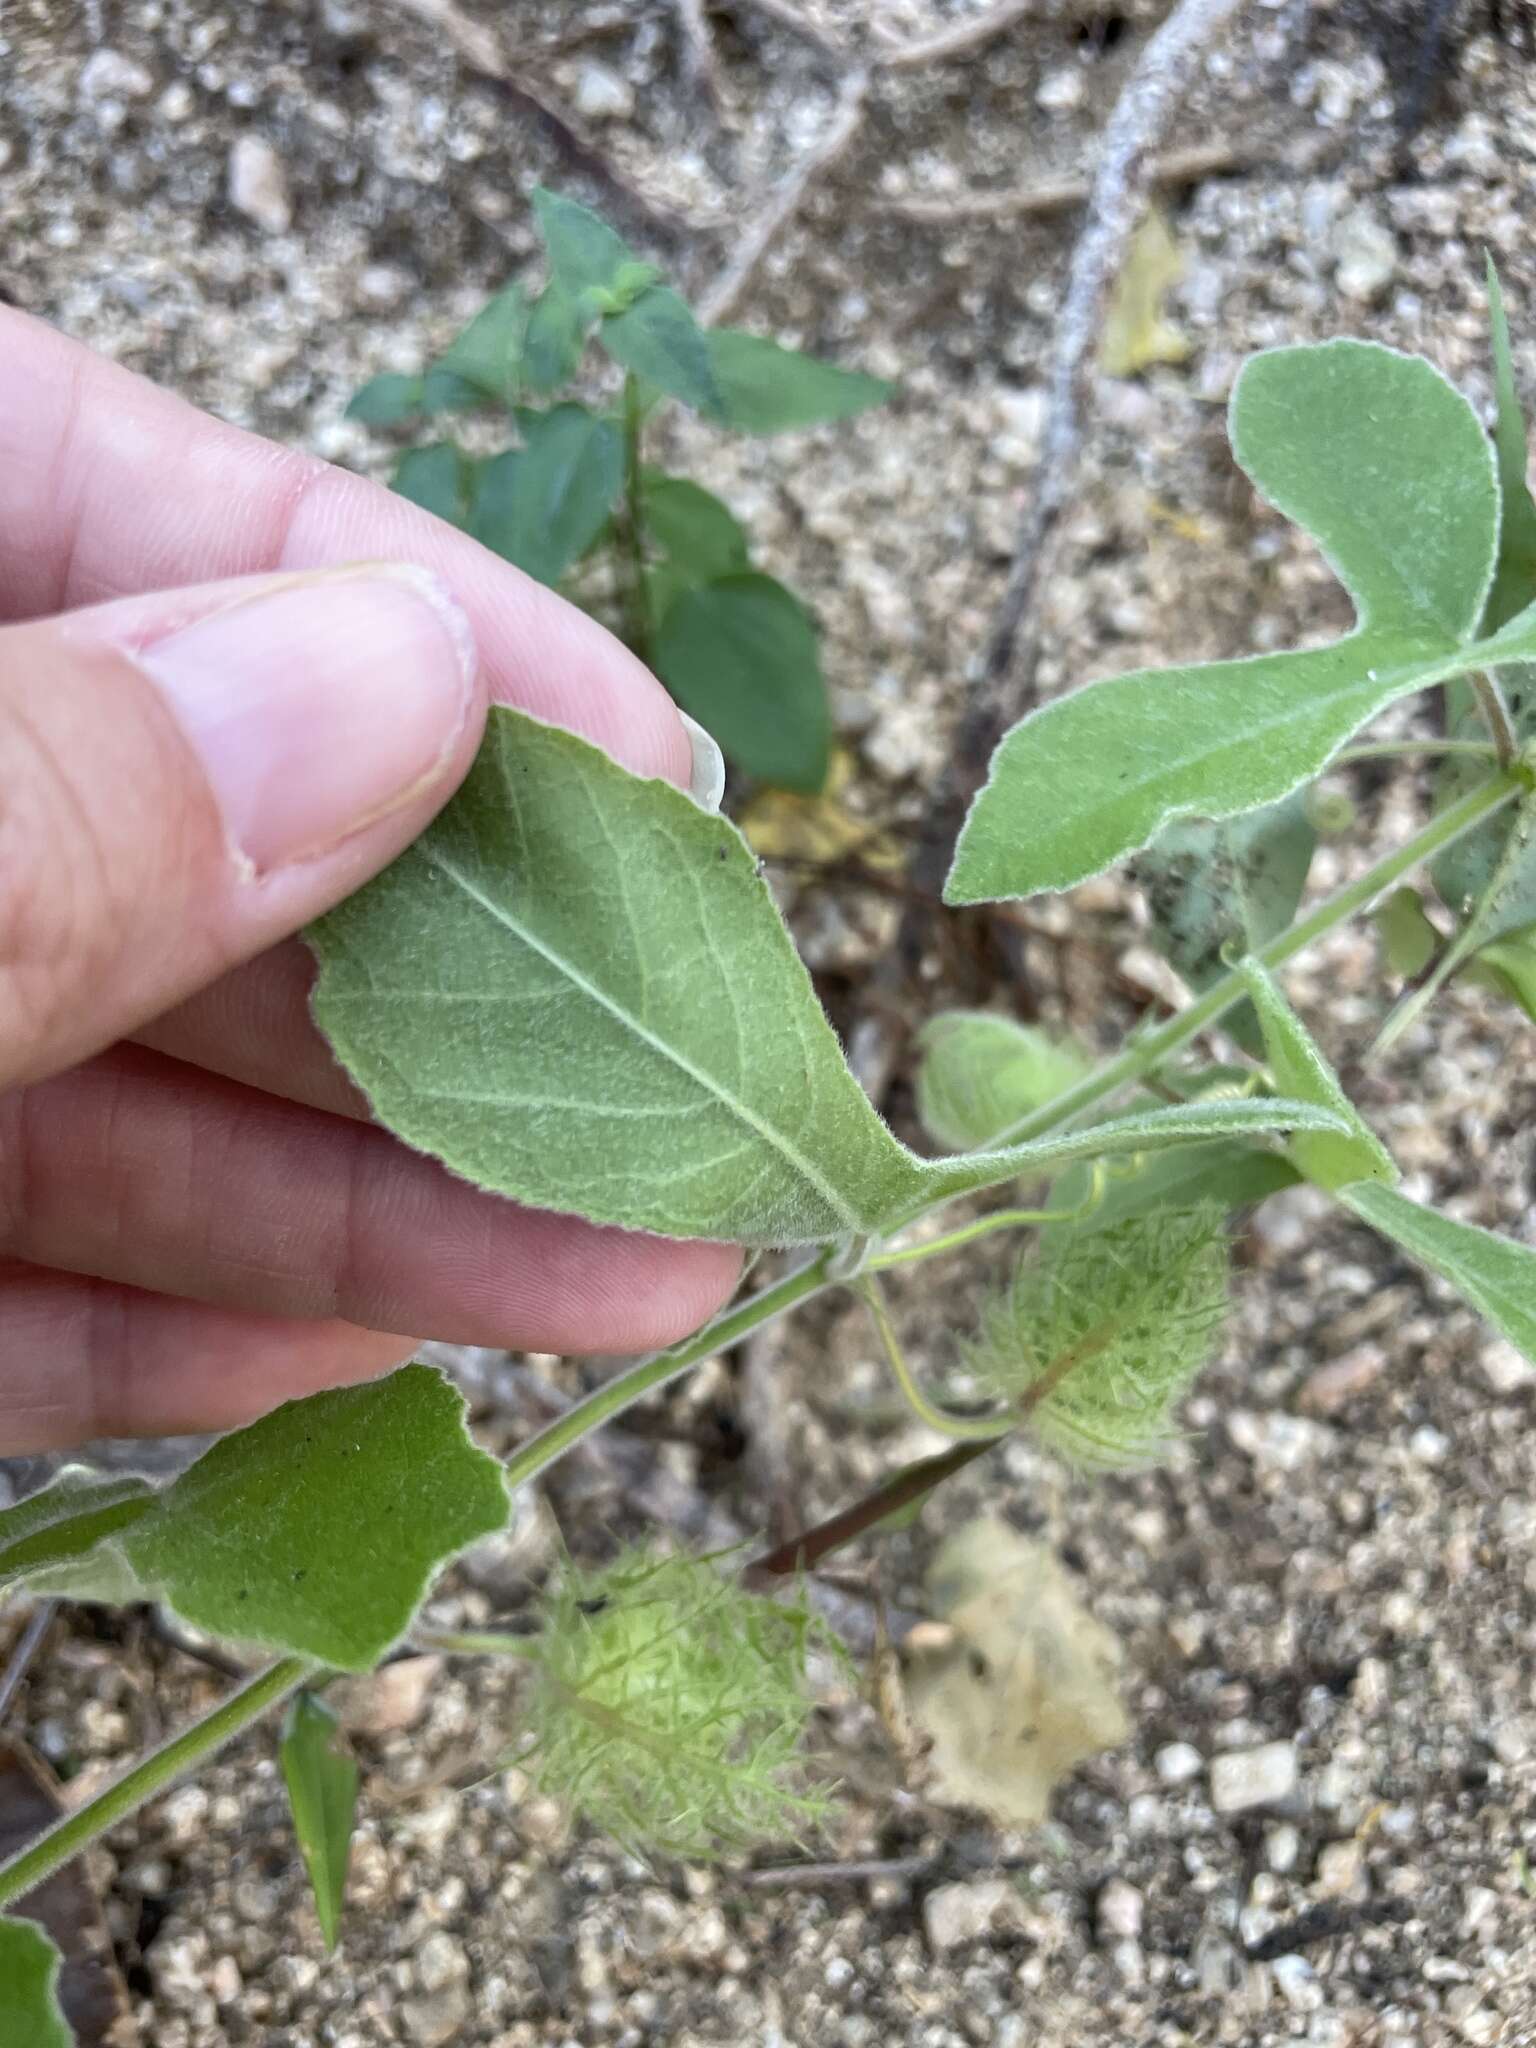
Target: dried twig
x,y
958,41
1057,195
1140,118
789,16
786,201
790,1877
27,1646
699,49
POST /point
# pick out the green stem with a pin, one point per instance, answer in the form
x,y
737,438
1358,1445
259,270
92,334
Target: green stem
x,y
626,1388
1495,714
1145,1053
1396,750
67,1837
637,604
999,1219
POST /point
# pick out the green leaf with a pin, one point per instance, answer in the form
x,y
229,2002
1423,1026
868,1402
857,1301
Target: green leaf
x,y
1222,889
1508,967
658,338
980,1074
1495,1274
740,655
30,2016
487,354
387,400
317,1529
436,478
699,534
1409,941
558,324
442,391
1225,1172
1514,583
322,1781
1299,1069
584,252
541,506
1383,461
766,389
575,989
77,1511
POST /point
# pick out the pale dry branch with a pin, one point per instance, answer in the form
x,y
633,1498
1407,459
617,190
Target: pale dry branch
x,y
786,200
1140,118
959,41
1057,195
699,49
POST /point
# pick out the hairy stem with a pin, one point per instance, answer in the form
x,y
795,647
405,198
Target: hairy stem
x,y
1397,750
626,1388
1495,714
637,607
67,1837
1145,1053
999,1219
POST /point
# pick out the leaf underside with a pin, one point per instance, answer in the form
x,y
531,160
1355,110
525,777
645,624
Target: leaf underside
x,y
1495,1274
30,2016
575,989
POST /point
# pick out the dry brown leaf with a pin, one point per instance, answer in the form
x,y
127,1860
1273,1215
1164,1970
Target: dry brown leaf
x,y
1027,1689
781,826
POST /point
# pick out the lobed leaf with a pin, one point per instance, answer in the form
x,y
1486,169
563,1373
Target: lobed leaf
x,y
322,1780
541,506
315,1530
740,655
30,2015
1298,1068
767,389
1495,1274
1384,463
575,989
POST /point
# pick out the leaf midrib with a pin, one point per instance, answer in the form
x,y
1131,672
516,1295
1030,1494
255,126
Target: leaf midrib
x,y
788,1151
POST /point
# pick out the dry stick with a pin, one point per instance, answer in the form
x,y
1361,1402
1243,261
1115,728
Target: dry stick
x,y
1057,195
479,47
788,16
723,295
995,702
959,41
699,48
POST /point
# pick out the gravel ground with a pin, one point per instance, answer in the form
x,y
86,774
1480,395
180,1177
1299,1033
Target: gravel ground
x,y
1323,1825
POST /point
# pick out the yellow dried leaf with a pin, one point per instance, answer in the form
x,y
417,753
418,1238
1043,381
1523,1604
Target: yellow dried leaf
x,y
779,825
1135,331
1026,1687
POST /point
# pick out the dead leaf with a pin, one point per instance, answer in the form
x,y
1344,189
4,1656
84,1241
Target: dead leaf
x,y
1027,1688
1135,331
781,826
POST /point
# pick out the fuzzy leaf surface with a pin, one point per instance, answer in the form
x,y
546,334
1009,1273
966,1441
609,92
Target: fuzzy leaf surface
x,y
541,506
29,1973
575,989
767,389
1225,1172
982,1073
740,654
322,1780
1495,1274
317,1529
1384,463
77,1510
1298,1068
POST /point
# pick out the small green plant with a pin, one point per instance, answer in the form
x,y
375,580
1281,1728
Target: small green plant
x,y
575,503
663,1065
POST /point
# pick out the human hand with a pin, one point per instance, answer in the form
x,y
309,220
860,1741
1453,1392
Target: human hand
x,y
203,744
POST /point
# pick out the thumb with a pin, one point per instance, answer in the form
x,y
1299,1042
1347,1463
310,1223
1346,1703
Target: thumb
x,y
187,777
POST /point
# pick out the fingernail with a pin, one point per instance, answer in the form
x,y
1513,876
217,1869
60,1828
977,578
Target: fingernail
x,y
320,704
706,779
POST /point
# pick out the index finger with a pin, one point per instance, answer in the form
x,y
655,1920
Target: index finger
x,y
109,487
